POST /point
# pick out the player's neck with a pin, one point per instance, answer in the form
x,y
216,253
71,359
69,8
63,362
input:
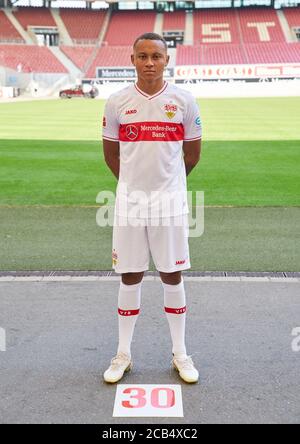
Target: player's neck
x,y
150,87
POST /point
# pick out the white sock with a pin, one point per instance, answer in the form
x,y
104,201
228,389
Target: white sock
x,y
175,308
129,302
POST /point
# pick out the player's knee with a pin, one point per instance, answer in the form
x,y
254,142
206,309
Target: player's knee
x,y
132,278
171,278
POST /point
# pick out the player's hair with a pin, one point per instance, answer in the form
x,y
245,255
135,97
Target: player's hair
x,y
151,36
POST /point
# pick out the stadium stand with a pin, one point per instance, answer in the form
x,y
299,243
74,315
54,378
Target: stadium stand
x,y
293,16
216,26
83,25
210,55
273,53
221,36
238,54
8,32
79,55
221,54
34,17
259,26
30,58
174,21
125,26
188,55
111,56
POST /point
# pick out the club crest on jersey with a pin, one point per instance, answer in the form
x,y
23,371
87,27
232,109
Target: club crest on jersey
x,y
170,110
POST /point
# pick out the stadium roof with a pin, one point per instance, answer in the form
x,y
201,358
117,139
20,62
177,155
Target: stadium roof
x,y
129,4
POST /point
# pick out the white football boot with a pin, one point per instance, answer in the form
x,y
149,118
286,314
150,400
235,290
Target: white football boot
x,y
186,369
119,365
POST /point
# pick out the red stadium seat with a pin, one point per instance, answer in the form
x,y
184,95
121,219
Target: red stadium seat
x,y
174,21
125,26
8,32
293,17
221,37
29,58
273,53
238,54
34,17
111,56
79,55
84,26
220,54
213,26
260,26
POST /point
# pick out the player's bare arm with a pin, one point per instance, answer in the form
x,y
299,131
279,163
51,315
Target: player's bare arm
x,y
112,156
192,152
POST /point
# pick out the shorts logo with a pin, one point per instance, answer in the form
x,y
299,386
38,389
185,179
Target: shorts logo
x,y
132,132
114,257
104,122
180,262
131,111
170,110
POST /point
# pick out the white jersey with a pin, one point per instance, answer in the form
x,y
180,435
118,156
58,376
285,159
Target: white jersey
x,y
151,131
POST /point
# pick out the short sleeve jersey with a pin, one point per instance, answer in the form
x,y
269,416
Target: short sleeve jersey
x,y
151,131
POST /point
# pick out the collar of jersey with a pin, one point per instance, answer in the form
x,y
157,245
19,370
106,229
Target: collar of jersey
x,y
147,95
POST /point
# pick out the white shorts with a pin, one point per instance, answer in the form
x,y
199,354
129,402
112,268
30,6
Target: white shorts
x,y
135,239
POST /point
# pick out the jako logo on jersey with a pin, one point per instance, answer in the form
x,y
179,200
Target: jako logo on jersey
x,y
132,132
198,121
131,111
180,262
170,110
104,122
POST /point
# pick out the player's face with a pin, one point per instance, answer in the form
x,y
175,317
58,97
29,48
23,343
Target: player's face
x,y
150,59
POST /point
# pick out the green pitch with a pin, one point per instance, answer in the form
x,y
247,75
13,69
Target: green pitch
x,y
51,155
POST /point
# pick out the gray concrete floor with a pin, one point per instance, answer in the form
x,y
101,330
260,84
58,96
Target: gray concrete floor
x,y
61,336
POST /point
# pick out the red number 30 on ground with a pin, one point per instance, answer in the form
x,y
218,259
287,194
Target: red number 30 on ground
x,y
148,400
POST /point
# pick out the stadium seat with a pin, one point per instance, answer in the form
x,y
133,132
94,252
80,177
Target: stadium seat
x,y
111,56
125,26
260,26
174,21
213,26
84,26
34,17
30,58
79,55
221,36
293,16
8,32
273,52
210,55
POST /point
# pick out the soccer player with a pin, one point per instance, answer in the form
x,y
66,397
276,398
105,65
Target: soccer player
x,y
151,142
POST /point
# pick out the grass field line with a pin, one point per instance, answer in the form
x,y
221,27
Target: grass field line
x,y
99,206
